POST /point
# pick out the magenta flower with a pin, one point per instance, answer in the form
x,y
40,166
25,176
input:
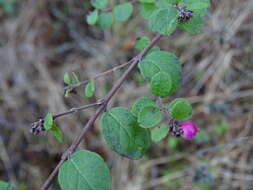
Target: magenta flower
x,y
189,130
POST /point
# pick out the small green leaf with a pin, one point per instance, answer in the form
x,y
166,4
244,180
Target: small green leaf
x,y
66,78
99,4
74,79
181,109
48,121
92,18
123,11
85,170
140,104
150,116
146,9
195,4
5,186
160,133
57,133
90,89
162,61
194,25
67,92
164,21
142,43
161,84
105,20
123,134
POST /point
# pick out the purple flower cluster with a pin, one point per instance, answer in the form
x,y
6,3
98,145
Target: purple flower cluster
x,y
189,129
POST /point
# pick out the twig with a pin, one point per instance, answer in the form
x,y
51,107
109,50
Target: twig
x,y
100,110
72,86
38,126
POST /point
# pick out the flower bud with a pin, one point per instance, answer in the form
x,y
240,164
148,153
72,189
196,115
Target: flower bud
x,y
189,130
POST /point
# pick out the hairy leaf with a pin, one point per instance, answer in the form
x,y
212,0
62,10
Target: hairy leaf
x,y
57,133
74,79
90,89
181,109
84,170
66,78
92,18
161,84
142,43
162,61
150,116
105,20
146,9
123,134
140,104
164,20
194,25
123,11
48,121
159,133
195,4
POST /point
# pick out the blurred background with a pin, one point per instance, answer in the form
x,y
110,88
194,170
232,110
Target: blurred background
x,y
40,40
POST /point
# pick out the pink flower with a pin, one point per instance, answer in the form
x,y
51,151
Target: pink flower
x,y
189,130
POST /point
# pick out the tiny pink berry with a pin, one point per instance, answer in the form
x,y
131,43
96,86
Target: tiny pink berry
x,y
189,129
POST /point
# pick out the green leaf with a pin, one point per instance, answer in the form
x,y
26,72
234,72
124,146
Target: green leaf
x,y
5,186
194,25
105,20
92,18
161,84
84,170
140,104
142,43
181,109
123,11
150,116
146,9
195,4
164,21
123,134
66,78
99,4
90,89
173,2
57,133
147,1
160,133
48,121
162,61
67,92
163,3
74,79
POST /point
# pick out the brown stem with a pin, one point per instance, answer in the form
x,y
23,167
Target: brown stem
x,y
100,110
72,86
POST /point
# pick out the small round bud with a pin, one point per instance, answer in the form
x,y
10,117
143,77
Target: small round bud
x,y
189,130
